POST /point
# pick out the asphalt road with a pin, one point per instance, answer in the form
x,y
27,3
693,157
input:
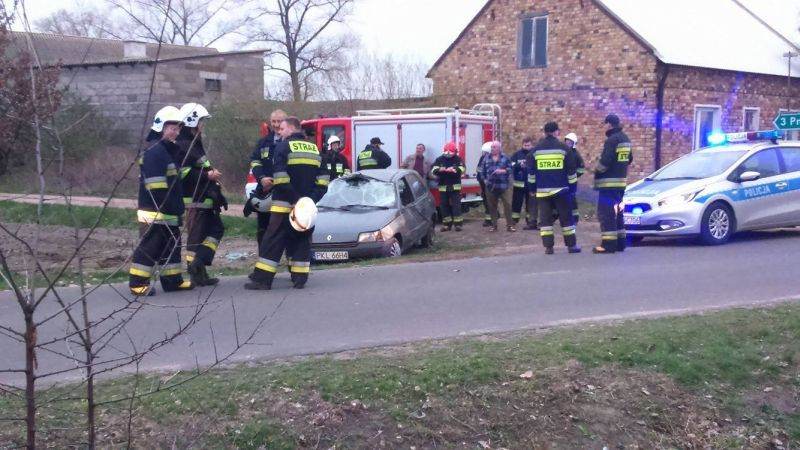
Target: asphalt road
x,y
361,307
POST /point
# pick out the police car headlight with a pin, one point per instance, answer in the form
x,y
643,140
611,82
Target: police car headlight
x,y
372,236
680,198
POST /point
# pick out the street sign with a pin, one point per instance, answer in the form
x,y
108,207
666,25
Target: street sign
x,y
788,121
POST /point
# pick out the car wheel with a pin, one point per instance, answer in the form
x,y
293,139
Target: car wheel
x,y
393,249
429,238
718,225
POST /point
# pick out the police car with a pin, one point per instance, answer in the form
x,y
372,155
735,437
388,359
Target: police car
x,y
744,181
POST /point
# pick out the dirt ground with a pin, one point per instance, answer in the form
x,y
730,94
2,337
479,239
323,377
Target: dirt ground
x,y
110,249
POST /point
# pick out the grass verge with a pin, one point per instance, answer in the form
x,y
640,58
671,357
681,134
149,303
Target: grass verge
x,y
718,380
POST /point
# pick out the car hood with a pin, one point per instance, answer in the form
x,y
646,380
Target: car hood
x,y
656,188
334,226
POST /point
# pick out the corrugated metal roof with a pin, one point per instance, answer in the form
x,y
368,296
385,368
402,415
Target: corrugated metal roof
x,y
716,34
75,50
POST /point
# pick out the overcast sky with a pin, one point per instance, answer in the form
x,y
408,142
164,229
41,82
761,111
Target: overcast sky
x,y
422,29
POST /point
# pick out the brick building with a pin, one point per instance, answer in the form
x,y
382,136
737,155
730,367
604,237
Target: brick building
x,y
672,70
115,76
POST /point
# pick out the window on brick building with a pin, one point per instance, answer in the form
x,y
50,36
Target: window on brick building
x,y
532,42
751,119
706,121
213,85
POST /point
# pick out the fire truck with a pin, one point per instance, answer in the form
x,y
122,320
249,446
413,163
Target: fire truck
x,y
402,129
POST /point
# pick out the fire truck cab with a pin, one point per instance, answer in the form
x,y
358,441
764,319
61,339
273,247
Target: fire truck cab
x,y
402,129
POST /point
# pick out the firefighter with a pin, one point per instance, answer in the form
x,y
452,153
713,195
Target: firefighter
x,y
373,157
159,211
298,179
448,169
520,175
202,195
261,167
571,140
610,177
333,160
485,150
553,167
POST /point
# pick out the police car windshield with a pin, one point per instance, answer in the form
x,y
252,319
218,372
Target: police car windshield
x,y
699,165
359,191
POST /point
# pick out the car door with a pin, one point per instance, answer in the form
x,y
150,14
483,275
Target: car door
x,y
408,213
424,206
790,214
758,204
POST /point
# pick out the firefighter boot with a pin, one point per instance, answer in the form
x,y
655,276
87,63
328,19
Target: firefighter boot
x,y
208,281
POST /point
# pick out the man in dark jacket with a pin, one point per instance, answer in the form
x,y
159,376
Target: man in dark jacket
x,y
520,192
160,208
554,170
572,142
297,173
202,195
485,150
373,157
448,169
610,180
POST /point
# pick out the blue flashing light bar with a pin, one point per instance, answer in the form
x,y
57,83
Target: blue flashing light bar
x,y
718,138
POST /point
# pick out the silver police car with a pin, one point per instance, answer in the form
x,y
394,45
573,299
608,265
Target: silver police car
x,y
749,181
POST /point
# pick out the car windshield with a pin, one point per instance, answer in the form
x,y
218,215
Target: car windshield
x,y
699,165
359,191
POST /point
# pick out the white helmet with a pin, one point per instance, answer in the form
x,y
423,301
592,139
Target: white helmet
x,y
164,115
333,139
572,137
261,205
303,215
487,147
192,113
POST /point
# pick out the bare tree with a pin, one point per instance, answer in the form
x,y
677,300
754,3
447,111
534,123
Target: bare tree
x,y
189,22
80,22
304,44
379,77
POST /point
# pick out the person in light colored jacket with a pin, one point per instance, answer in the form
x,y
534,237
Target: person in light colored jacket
x,y
418,162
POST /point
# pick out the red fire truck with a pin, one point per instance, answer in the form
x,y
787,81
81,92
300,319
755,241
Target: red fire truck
x,y
402,129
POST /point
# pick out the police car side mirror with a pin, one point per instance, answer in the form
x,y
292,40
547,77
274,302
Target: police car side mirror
x,y
749,176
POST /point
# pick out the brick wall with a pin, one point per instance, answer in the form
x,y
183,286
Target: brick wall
x,y
595,67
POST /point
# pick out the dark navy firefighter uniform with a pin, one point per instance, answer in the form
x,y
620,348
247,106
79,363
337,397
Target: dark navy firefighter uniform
x,y
487,218
573,188
297,173
335,164
159,212
610,180
372,157
261,167
203,199
520,192
554,170
449,188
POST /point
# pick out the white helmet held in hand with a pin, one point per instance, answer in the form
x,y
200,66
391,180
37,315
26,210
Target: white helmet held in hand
x,y
572,137
333,139
193,113
303,215
487,147
164,115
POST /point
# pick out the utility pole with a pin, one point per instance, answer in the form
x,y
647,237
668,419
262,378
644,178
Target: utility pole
x,y
789,55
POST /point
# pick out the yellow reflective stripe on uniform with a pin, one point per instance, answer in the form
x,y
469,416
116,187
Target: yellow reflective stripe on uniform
x,y
610,183
280,178
151,183
189,256
532,179
140,270
519,184
609,236
156,217
303,162
624,152
170,270
280,207
365,155
254,164
323,180
572,179
265,153
267,265
546,231
185,171
203,163
211,243
299,267
568,231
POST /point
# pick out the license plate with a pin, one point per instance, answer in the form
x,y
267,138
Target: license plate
x,y
632,220
331,256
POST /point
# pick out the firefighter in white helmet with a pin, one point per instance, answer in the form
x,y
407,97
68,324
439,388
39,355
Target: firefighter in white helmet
x,y
202,195
159,212
333,160
485,150
299,182
571,140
